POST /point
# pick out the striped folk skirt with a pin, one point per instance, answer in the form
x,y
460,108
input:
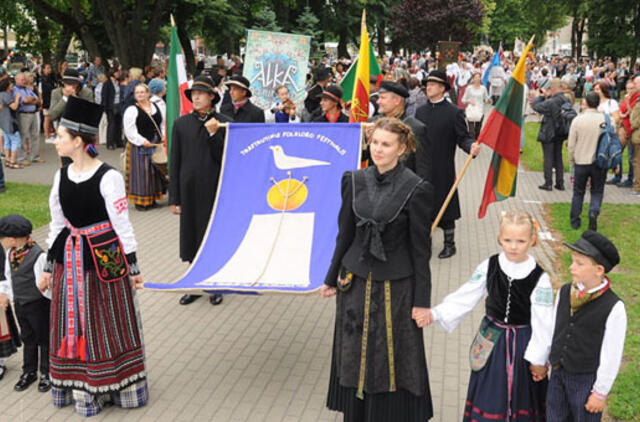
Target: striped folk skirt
x,y
144,183
504,389
112,331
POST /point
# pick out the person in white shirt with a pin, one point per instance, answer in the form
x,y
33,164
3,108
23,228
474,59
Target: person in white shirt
x,y
607,104
589,331
515,334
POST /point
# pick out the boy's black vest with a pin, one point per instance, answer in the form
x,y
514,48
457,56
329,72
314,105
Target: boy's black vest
x,y
23,281
577,339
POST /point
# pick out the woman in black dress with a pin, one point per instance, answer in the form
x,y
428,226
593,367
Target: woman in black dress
x,y
380,274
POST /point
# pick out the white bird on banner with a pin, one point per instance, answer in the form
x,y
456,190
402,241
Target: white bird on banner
x,y
287,162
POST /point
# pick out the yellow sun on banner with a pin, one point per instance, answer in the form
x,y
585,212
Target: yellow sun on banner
x,y
287,194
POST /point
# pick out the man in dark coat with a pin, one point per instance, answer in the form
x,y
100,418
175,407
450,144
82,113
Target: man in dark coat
x,y
391,103
241,109
197,145
548,102
331,106
312,101
446,128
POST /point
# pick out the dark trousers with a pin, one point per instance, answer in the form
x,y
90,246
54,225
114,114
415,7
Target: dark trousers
x,y
566,396
474,129
33,318
1,175
114,129
582,174
552,157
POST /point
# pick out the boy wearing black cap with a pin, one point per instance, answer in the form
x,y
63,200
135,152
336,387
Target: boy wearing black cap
x,y
588,339
24,264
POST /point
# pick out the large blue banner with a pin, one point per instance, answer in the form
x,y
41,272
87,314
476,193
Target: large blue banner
x,y
275,220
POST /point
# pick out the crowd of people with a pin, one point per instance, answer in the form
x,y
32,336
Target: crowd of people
x,y
420,115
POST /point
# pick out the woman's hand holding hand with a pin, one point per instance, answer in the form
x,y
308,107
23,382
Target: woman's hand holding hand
x,y
422,316
327,291
45,281
136,282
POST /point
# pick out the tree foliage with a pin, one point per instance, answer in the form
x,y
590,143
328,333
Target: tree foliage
x,y
422,23
307,24
614,28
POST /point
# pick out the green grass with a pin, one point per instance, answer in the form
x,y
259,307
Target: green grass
x,y
619,222
31,201
531,157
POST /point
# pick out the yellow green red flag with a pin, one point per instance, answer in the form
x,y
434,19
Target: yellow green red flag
x,y
502,133
360,97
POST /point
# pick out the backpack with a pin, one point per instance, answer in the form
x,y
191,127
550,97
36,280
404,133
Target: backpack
x,y
609,151
567,114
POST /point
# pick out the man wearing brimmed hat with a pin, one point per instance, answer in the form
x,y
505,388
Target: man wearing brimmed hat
x,y
447,128
392,98
197,145
241,109
71,86
331,106
589,333
323,77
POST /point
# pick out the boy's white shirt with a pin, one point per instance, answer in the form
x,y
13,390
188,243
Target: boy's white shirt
x,y
612,345
457,305
38,268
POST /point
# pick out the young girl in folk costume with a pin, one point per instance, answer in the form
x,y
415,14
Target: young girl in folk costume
x,y
512,336
96,345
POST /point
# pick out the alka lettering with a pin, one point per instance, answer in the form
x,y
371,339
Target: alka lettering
x,y
273,75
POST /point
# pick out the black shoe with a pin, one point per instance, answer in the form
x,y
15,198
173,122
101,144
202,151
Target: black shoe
x,y
3,189
593,222
187,299
45,383
575,225
215,299
626,184
613,181
559,187
3,369
545,187
25,381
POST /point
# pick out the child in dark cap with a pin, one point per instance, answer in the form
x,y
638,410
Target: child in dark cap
x,y
590,323
23,266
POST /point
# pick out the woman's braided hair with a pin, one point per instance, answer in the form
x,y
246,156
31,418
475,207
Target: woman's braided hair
x,y
394,125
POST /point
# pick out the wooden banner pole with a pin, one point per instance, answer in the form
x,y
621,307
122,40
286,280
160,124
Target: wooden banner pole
x,y
450,195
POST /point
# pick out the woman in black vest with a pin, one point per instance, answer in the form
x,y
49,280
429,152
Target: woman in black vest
x,y
142,128
96,350
380,273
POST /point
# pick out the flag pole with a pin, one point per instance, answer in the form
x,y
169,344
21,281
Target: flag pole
x,y
173,21
450,195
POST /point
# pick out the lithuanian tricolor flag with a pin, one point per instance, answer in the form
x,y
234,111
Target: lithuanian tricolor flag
x,y
502,133
360,98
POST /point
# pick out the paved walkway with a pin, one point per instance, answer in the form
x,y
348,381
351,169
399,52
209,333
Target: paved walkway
x,y
267,358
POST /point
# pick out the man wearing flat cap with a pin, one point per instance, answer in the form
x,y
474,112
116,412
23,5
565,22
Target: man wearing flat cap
x,y
589,332
446,128
71,87
392,98
331,106
197,145
241,109
312,101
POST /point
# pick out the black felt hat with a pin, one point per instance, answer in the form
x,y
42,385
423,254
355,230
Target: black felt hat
x,y
323,74
15,225
71,76
241,82
394,87
439,76
333,93
82,116
205,84
598,247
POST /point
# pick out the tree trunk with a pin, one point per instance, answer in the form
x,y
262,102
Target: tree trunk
x,y
5,33
342,43
382,47
579,35
574,32
63,45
